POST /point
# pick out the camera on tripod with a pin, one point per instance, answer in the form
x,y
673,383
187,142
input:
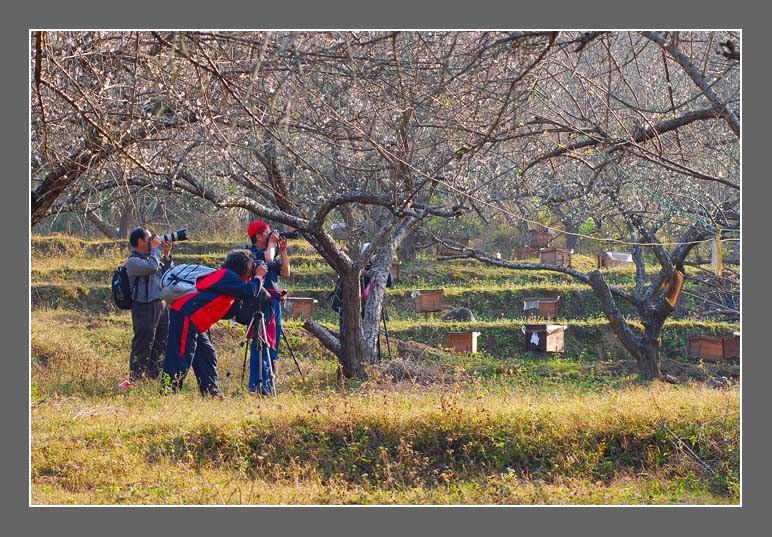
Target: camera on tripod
x,y
179,235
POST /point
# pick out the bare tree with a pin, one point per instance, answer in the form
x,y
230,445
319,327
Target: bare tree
x,y
629,131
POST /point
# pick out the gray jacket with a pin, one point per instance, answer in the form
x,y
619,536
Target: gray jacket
x,y
146,272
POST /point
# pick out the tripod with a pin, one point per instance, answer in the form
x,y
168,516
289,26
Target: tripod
x,y
384,317
261,342
242,343
248,337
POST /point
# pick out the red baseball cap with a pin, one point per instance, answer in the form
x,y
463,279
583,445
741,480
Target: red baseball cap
x,y
256,227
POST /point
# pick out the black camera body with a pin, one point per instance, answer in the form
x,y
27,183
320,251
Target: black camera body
x,y
179,235
291,235
244,309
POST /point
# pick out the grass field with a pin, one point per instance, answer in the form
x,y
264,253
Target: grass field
x,y
428,426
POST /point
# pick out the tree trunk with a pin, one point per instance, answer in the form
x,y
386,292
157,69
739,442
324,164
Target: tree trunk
x,y
352,356
407,251
372,314
648,358
127,220
571,239
106,229
644,349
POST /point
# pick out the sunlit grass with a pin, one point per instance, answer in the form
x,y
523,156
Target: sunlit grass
x,y
428,426
389,445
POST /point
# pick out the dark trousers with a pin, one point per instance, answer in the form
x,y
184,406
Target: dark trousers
x,y
151,328
187,346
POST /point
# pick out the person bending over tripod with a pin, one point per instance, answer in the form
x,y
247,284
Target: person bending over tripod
x,y
191,316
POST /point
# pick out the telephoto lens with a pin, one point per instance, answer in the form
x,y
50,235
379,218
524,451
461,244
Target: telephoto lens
x,y
289,234
179,235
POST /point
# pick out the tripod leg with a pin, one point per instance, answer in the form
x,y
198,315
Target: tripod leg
x,y
259,351
292,353
378,345
386,331
245,342
244,363
267,351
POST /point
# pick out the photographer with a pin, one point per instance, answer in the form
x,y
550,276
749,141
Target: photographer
x,y
364,285
191,316
149,314
263,247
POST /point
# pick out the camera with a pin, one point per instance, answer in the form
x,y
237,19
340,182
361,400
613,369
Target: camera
x,y
179,235
289,234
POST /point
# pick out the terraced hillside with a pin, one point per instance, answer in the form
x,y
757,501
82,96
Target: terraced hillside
x,y
428,426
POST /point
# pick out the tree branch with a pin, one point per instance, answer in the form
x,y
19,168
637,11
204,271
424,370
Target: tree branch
x,y
697,77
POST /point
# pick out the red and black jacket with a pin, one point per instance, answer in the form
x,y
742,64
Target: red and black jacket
x,y
216,294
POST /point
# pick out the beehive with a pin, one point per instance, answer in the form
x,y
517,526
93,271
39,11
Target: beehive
x,y
544,337
673,286
539,238
614,259
555,256
395,269
525,252
465,342
299,307
449,250
732,346
339,231
705,348
541,307
428,300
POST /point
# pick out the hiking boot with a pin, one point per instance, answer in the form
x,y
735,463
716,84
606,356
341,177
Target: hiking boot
x,y
126,384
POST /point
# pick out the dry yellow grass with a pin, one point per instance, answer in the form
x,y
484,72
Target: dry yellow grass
x,y
385,445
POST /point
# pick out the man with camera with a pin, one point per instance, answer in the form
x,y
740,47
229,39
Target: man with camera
x,y
191,316
149,314
262,357
364,286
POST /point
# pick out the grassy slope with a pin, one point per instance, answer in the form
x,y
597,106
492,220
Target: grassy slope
x,y
503,426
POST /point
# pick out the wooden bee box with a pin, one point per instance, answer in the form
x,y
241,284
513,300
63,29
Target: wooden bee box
x,y
525,252
673,286
555,256
299,307
544,337
539,239
705,348
340,231
614,259
465,342
395,269
541,307
732,347
428,300
449,250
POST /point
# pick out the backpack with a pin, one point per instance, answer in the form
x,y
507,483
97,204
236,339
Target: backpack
x,y
180,280
122,292
336,298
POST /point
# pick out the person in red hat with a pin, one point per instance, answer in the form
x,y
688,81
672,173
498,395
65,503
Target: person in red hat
x,y
264,242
